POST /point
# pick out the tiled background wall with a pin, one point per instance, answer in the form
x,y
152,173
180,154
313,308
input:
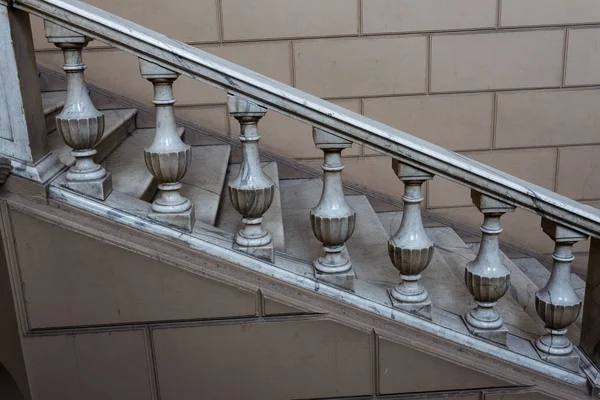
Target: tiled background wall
x,y
512,83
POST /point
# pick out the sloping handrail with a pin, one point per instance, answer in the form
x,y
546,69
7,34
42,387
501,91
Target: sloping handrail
x,y
205,67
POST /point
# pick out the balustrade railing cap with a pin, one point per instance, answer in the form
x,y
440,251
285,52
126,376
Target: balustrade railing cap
x,y
488,204
150,70
327,140
560,233
244,108
58,34
407,172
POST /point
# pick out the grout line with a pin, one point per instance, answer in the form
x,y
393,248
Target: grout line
x,y
375,359
499,14
260,304
360,18
293,63
494,120
563,78
361,105
556,170
428,65
151,360
220,22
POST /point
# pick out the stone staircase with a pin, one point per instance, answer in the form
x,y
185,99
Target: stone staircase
x,y
121,153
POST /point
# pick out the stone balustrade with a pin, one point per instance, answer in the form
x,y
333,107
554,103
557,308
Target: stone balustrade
x,y
333,221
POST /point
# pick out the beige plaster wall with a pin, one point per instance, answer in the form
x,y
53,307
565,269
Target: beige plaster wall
x,y
512,83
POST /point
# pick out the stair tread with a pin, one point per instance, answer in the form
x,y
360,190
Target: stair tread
x,y
203,183
118,124
230,220
129,173
53,101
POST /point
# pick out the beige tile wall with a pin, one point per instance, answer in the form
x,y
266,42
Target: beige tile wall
x,y
514,84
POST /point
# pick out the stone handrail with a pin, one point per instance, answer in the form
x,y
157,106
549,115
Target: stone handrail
x,y
268,93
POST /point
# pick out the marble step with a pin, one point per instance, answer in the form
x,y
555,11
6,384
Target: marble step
x,y
457,254
203,183
118,124
52,102
230,220
129,173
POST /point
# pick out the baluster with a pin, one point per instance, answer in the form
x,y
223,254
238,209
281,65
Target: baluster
x,y
80,124
486,277
251,192
168,158
410,249
557,304
332,219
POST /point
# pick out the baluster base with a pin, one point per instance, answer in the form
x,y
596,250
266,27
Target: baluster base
x,y
182,220
97,189
255,240
498,335
557,349
420,308
335,267
266,252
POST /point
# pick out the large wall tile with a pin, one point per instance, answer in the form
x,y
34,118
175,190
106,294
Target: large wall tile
x,y
208,117
276,360
500,60
360,67
185,20
548,118
579,172
361,170
583,57
426,373
75,280
549,12
119,72
537,166
268,19
92,366
387,16
520,227
458,122
288,137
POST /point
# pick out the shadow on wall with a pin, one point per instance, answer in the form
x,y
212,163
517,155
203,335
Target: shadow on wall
x,y
8,387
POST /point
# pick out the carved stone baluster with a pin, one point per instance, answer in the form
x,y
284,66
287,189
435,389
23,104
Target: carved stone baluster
x,y
168,158
332,219
252,191
80,124
486,277
410,249
557,304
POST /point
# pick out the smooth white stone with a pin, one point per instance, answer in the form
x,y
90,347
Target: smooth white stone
x,y
230,220
118,125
